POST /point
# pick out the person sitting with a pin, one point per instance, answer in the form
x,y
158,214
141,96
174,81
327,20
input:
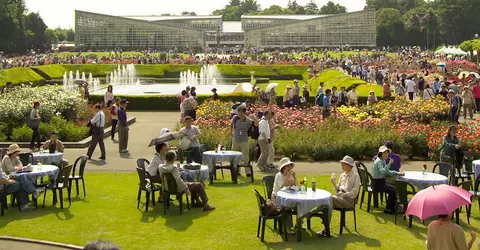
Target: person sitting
x,y
397,161
450,150
157,160
55,145
285,178
442,234
196,189
101,245
380,172
372,98
17,184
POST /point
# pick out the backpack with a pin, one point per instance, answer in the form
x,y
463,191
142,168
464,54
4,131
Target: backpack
x,y
319,100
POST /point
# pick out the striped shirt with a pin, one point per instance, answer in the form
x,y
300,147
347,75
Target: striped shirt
x,y
240,128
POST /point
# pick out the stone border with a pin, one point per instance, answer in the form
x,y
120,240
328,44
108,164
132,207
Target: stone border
x,y
81,144
40,242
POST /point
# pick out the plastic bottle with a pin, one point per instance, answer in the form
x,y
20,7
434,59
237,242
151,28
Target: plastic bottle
x,y
305,183
314,185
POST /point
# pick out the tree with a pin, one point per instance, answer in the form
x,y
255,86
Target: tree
x,y
276,10
50,38
421,24
70,35
390,27
312,8
61,34
296,8
12,26
332,8
186,13
235,3
34,23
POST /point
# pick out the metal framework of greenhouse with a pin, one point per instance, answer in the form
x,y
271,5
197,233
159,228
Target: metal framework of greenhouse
x,y
99,31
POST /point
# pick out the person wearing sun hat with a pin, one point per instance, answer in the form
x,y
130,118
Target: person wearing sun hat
x,y
287,97
16,184
348,185
285,178
372,98
455,105
380,172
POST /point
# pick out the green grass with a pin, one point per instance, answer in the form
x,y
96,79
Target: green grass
x,y
334,78
19,75
106,54
282,85
109,212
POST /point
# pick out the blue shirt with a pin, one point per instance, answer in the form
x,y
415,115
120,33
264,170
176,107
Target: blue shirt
x,y
436,87
122,116
326,102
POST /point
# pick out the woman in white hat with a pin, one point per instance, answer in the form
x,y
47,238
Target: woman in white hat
x,y
287,97
285,178
19,184
381,171
10,161
372,98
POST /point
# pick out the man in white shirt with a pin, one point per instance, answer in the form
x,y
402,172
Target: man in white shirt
x,y
98,124
264,139
348,185
352,97
410,88
157,160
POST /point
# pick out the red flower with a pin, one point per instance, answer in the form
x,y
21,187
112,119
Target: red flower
x,y
302,182
424,166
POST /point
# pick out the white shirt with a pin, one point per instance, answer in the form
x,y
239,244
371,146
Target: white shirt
x,y
99,119
264,129
428,94
410,86
352,95
153,167
277,183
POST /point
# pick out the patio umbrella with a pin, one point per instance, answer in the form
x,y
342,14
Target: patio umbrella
x,y
166,138
475,74
442,64
466,73
437,200
271,86
247,87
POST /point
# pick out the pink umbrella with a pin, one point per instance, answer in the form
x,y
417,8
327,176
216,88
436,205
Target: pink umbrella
x,y
437,200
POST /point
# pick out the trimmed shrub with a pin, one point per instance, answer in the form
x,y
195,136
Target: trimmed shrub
x,y
22,134
20,75
52,71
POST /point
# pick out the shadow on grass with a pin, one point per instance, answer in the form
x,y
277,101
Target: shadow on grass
x,y
173,219
14,213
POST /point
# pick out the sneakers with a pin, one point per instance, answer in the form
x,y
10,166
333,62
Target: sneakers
x,y
26,208
208,208
38,192
124,151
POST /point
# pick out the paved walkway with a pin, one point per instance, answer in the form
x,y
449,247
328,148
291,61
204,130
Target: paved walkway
x,y
25,244
149,125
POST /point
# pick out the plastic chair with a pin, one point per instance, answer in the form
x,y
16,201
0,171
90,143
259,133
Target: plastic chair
x,y
268,182
144,185
80,162
445,169
250,166
26,158
319,212
142,163
61,183
466,186
3,200
263,216
402,198
343,212
170,188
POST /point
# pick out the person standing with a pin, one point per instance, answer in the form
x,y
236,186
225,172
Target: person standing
x,y
123,127
215,95
442,234
34,124
455,105
264,139
399,90
98,124
343,100
296,93
287,97
272,97
241,126
326,109
306,97
189,108
428,93
476,92
352,97
114,113
436,86
372,98
387,93
410,88
108,95
421,87
468,102
192,133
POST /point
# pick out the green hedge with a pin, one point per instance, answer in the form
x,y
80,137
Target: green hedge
x,y
338,79
19,76
54,71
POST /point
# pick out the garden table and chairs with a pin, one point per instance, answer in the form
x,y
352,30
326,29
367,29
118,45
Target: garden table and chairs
x,y
303,203
423,180
48,158
211,158
198,175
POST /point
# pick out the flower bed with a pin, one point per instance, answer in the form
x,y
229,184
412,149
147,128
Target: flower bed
x,y
60,110
416,129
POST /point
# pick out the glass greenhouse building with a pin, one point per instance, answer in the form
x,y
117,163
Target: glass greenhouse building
x,y
99,31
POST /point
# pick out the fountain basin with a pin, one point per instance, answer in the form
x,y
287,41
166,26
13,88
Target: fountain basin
x,y
164,89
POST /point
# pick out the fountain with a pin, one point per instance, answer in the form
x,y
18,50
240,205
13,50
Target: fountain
x,y
69,82
208,76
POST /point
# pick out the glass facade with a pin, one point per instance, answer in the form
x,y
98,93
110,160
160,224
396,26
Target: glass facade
x,y
97,31
207,24
356,29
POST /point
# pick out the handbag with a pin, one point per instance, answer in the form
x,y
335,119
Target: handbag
x,y
33,123
184,144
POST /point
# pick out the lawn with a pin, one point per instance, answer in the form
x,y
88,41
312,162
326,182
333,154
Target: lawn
x,y
109,212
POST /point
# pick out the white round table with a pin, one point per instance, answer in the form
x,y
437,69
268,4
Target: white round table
x,y
476,167
210,158
47,158
421,181
200,175
39,171
303,203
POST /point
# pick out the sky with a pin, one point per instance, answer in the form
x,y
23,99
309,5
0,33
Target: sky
x,y
61,13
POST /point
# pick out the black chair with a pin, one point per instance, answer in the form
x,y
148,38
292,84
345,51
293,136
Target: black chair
x,y
220,166
170,188
467,173
466,186
445,169
250,166
264,215
142,163
361,165
267,182
145,185
3,200
402,188
62,182
80,162
343,212
319,212
26,158
475,193
366,178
